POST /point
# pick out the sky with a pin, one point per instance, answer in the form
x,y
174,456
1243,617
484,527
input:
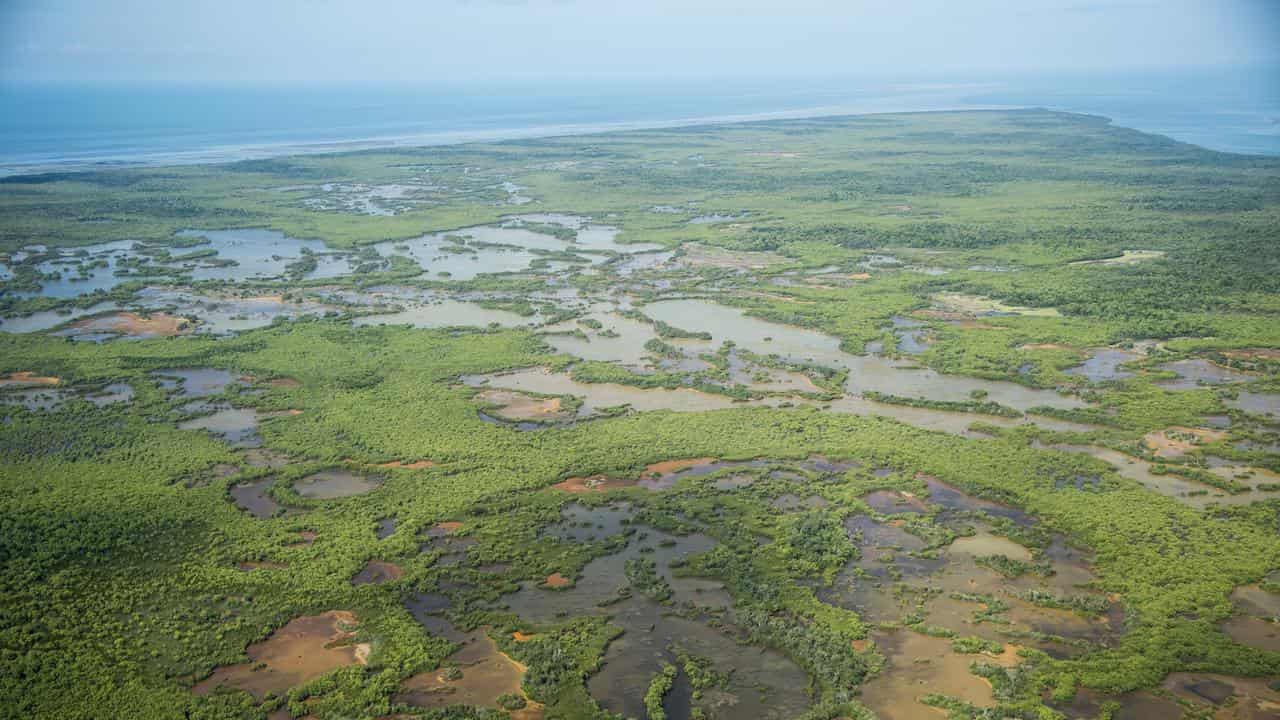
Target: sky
x,y
421,42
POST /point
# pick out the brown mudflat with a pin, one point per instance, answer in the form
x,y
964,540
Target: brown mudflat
x,y
304,649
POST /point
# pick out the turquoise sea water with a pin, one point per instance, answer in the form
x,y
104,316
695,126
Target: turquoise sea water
x,y
67,128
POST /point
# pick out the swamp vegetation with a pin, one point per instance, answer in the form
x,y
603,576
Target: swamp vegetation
x,y
966,415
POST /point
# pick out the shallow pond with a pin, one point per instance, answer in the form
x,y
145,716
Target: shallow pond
x,y
449,313
919,665
601,395
1257,403
866,372
1194,494
1196,373
221,314
1104,364
252,497
596,396
194,382
764,683
237,426
334,483
46,319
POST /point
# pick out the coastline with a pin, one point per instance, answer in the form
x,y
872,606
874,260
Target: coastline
x,y
222,154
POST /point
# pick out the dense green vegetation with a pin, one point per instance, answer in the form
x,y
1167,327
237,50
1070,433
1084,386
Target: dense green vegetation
x,y
124,542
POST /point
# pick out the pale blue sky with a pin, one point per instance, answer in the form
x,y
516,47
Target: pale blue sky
x,y
432,41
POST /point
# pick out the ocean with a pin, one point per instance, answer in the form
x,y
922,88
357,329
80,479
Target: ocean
x,y
68,128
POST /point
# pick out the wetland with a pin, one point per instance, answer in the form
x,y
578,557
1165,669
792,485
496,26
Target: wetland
x,y
860,417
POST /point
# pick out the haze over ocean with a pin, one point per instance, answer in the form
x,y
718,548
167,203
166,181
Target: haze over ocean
x,y
61,128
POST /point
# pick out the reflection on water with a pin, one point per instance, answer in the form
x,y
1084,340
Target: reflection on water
x,y
1104,364
448,313
763,683
866,372
1195,373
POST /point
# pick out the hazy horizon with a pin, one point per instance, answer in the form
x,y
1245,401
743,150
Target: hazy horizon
x,y
143,42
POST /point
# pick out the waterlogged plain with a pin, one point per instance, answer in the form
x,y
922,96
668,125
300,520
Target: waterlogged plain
x,y
772,420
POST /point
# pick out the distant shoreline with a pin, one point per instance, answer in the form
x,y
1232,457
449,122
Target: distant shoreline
x,y
263,151
226,154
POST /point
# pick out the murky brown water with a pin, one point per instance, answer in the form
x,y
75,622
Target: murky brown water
x,y
376,572
334,483
236,426
866,372
252,498
302,650
650,630
920,665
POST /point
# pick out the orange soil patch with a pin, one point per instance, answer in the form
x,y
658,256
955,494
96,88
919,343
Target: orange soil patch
x,y
305,538
402,465
1176,441
302,650
917,666
486,674
27,378
1044,346
518,406
595,483
128,323
556,580
252,565
860,645
283,382
522,637
669,467
445,528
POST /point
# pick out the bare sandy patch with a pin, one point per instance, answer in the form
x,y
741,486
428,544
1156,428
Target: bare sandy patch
x,y
27,378
556,580
135,325
974,305
669,467
1177,441
512,405
441,529
476,675
302,650
1044,346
